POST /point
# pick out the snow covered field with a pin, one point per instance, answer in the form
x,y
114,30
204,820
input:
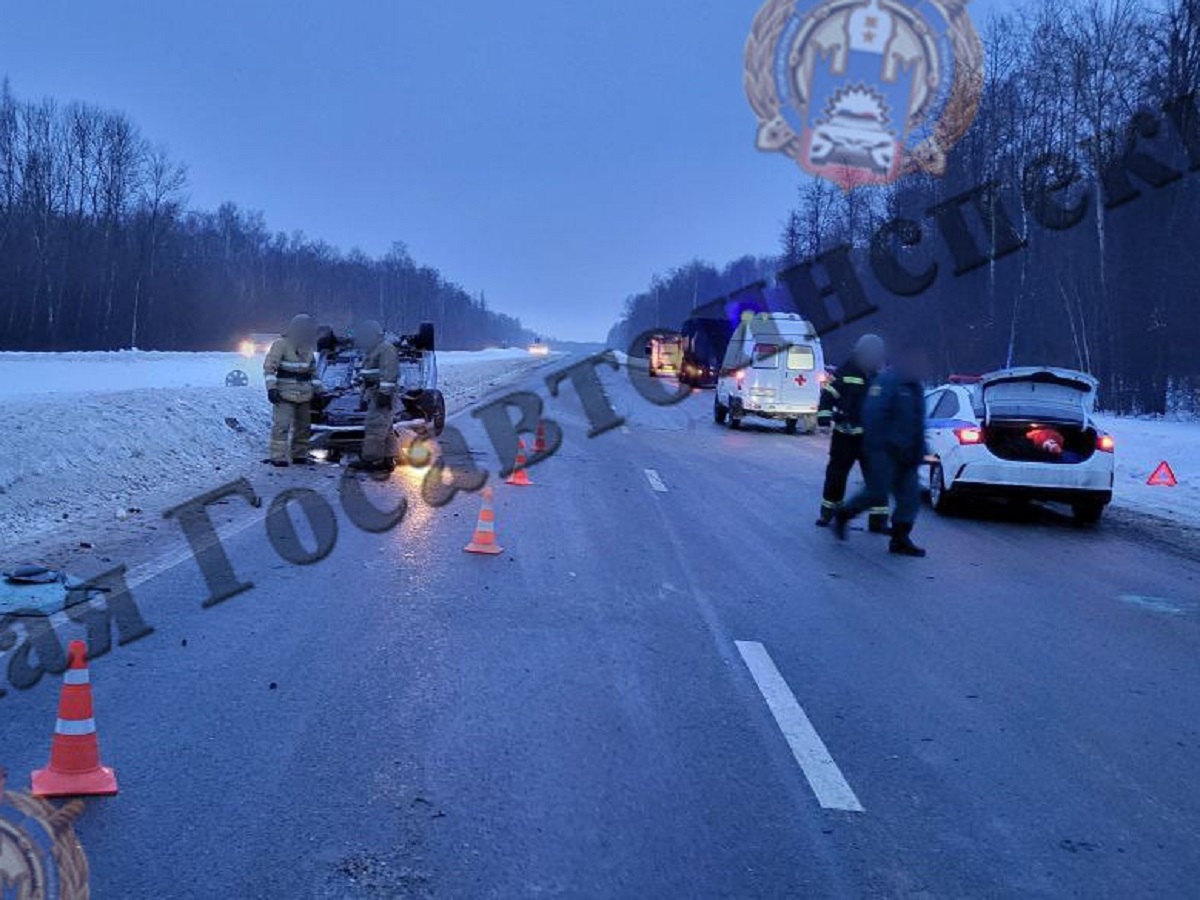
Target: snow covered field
x,y
103,436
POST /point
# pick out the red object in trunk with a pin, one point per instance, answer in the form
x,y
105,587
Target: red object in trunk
x,y
1048,440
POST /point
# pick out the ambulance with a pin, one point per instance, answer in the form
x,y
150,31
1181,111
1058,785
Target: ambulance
x,y
774,369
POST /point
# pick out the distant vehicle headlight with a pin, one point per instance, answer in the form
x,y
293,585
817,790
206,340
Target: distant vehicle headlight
x,y
247,348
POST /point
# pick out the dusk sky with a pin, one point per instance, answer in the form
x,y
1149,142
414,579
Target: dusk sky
x,y
553,154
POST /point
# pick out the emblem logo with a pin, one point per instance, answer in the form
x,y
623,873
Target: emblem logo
x,y
864,91
40,859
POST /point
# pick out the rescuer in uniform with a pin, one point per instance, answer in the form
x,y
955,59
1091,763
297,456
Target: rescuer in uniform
x,y
380,374
894,442
291,374
841,409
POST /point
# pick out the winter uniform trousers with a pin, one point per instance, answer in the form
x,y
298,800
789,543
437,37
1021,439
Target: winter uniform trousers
x,y
846,449
294,420
380,373
886,477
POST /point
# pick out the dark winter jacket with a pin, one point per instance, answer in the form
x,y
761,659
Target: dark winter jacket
x,y
894,419
842,399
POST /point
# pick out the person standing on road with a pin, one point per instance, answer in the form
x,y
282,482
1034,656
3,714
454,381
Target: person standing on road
x,y
841,409
291,374
380,374
894,441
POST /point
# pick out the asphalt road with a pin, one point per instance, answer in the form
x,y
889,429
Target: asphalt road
x,y
587,715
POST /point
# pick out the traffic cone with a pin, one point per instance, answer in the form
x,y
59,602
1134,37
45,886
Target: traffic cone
x,y
539,445
519,476
484,539
74,769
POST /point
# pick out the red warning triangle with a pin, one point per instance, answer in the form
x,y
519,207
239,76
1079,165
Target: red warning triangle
x,y
1163,476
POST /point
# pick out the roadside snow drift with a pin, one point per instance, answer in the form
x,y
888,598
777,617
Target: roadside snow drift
x,y
1142,444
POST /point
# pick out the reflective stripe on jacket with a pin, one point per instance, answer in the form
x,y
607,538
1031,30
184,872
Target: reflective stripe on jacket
x,y
842,399
381,368
292,370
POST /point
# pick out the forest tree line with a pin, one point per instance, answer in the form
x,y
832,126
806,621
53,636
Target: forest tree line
x,y
1116,294
99,251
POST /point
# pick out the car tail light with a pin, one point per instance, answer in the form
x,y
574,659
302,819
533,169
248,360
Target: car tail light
x,y
969,435
1106,444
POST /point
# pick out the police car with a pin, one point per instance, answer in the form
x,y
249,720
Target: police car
x,y
1027,433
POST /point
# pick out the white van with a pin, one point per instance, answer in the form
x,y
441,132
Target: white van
x,y
774,369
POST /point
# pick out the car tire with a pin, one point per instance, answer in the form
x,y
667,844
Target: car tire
x,y
791,425
1088,512
425,337
720,413
939,496
439,413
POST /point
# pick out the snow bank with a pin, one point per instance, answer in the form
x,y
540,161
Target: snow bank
x,y
23,374
26,374
1141,445
86,436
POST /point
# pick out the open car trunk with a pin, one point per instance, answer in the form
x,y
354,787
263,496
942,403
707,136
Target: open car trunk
x,y
1025,410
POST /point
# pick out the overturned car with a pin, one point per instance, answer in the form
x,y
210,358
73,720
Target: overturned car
x,y
340,413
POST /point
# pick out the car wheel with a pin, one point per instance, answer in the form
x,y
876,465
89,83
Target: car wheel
x,y
439,413
720,413
425,339
939,497
1088,512
791,425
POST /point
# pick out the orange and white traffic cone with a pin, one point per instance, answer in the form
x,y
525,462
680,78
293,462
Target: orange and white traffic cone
x,y
539,445
74,769
484,539
519,476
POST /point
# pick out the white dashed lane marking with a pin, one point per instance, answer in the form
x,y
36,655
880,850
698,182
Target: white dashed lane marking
x,y
822,772
655,481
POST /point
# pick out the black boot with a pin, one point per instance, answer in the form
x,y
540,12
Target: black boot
x,y
902,544
825,518
878,524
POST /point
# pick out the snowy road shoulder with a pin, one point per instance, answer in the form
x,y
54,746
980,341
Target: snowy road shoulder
x,y
1142,445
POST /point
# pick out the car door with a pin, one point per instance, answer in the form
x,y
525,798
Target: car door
x,y
942,428
932,438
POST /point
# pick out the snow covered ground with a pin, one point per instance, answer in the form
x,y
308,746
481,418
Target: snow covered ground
x,y
105,437
1142,444
26,374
